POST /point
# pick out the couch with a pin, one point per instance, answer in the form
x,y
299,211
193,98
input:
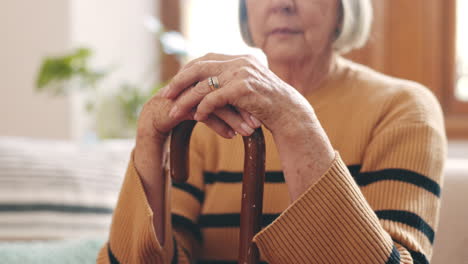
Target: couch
x,y
451,243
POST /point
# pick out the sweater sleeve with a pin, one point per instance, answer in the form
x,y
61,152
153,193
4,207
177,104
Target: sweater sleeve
x,y
132,236
387,213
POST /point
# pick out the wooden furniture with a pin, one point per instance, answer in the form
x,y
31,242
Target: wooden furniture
x,y
416,40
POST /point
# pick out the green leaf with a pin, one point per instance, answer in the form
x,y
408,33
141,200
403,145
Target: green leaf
x,y
57,73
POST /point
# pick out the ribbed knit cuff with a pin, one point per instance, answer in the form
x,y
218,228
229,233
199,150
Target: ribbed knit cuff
x,y
330,223
132,238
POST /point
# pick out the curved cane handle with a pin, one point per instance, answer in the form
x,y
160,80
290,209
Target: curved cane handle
x,y
252,184
179,154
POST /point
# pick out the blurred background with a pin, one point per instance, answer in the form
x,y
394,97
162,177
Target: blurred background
x,y
416,40
74,74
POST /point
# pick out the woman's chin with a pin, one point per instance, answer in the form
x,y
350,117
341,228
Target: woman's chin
x,y
285,54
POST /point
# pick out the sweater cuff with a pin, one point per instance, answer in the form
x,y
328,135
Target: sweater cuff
x,y
132,237
330,223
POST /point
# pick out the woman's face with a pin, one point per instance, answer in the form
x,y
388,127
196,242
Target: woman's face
x,y
292,29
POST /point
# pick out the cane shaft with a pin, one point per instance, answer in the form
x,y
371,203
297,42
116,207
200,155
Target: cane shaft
x,y
252,196
252,185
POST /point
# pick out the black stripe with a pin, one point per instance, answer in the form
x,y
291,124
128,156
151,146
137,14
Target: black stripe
x,y
223,262
362,178
110,254
236,177
418,257
408,218
270,176
194,191
175,257
230,220
366,178
394,257
183,222
354,169
54,208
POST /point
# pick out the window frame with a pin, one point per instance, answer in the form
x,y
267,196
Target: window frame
x,y
430,44
456,111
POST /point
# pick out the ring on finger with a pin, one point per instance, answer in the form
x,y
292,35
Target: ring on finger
x,y
213,82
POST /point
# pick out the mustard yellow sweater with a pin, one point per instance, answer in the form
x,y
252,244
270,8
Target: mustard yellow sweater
x,y
377,203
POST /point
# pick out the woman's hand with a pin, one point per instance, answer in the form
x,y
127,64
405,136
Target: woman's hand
x,y
156,123
303,146
245,84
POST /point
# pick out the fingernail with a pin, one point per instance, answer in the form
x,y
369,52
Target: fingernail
x,y
255,121
247,128
173,113
232,133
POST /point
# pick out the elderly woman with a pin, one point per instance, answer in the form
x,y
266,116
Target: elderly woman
x,y
354,158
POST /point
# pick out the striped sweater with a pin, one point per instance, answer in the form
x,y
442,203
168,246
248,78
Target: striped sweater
x,y
377,203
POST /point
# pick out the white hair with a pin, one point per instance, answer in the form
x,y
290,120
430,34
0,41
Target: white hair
x,y
355,25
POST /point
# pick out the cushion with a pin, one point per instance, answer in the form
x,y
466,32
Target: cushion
x,y
451,241
79,251
52,189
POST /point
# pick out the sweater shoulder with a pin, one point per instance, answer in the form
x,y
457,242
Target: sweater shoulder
x,y
375,83
393,95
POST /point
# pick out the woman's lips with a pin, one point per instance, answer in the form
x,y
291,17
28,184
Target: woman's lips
x,y
285,31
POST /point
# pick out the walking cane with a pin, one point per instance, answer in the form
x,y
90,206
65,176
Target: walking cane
x,y
252,184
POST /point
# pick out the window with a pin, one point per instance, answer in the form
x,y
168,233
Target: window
x,y
208,25
213,26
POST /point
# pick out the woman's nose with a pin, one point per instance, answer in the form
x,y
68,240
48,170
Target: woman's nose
x,y
283,6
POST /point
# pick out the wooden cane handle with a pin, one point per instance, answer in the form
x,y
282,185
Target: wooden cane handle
x,y
179,152
252,184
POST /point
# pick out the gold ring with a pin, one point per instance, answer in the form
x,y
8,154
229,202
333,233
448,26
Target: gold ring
x,y
213,82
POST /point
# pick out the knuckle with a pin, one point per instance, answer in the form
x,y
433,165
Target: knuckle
x,y
203,66
245,71
198,64
201,89
246,88
188,65
209,102
145,108
249,59
152,101
210,56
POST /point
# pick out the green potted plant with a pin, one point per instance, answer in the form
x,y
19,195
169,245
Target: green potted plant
x,y
116,115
